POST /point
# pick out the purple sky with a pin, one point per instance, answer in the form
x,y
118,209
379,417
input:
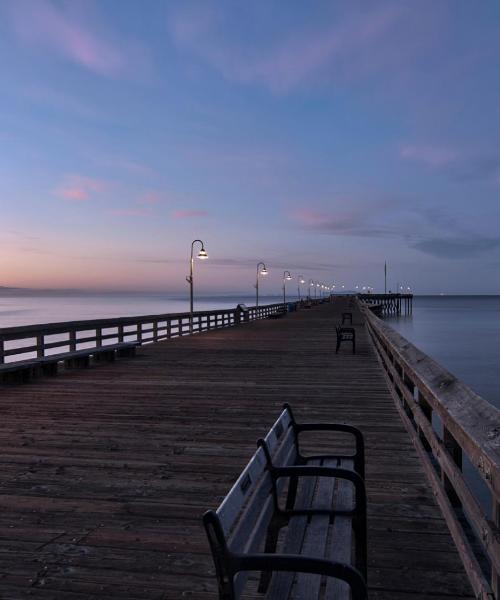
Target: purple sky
x,y
321,140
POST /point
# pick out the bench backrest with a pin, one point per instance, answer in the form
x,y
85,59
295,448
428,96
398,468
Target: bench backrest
x,y
246,511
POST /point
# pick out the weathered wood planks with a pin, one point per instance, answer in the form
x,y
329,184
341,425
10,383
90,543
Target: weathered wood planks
x,y
105,473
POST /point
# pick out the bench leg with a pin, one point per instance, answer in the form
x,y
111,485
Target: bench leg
x,y
338,346
126,352
105,356
50,369
75,363
354,344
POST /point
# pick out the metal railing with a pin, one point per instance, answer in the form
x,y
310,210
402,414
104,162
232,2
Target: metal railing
x,y
465,430
28,341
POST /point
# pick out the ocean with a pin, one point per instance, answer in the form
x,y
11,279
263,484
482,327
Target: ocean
x,y
28,307
462,333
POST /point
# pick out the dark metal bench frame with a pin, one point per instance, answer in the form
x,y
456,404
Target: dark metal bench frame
x,y
345,334
229,564
346,316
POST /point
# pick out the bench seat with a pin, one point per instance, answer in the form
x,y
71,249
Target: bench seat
x,y
24,370
299,521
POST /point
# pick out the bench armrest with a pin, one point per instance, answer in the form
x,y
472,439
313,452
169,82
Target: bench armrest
x,y
359,456
301,564
319,471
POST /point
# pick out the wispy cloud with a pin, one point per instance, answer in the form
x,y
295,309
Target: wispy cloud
x,y
367,219
74,35
188,214
131,212
432,156
149,198
457,164
360,40
78,188
458,247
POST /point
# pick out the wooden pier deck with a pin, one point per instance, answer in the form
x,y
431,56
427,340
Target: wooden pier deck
x,y
105,472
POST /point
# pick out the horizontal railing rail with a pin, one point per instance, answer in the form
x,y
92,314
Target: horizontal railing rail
x,y
467,426
26,341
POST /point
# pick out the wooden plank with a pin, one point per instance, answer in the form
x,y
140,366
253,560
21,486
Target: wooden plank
x,y
123,459
281,582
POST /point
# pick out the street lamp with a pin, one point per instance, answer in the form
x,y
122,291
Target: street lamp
x,y
311,284
286,277
315,290
300,280
202,255
262,271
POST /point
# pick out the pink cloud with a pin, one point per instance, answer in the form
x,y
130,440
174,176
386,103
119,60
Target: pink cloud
x,y
149,198
188,214
73,36
77,188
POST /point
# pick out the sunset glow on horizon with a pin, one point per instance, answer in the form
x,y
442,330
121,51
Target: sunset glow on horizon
x,y
323,141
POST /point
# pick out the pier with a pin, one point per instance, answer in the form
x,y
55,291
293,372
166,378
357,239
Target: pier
x,y
389,304
106,471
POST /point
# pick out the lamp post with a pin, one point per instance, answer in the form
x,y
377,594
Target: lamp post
x,y
300,280
202,255
316,290
311,284
286,277
262,271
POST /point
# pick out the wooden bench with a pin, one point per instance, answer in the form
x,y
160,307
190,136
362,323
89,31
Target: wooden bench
x,y
315,506
345,334
25,370
347,316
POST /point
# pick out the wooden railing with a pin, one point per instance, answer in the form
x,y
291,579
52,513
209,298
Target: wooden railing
x,y
465,430
27,341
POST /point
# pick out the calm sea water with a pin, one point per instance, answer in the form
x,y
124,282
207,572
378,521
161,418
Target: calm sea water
x,y
29,307
462,333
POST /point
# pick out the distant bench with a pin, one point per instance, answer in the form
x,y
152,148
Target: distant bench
x,y
25,370
324,514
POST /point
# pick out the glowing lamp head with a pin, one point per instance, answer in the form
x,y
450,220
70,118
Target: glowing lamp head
x,y
301,281
202,254
264,271
288,277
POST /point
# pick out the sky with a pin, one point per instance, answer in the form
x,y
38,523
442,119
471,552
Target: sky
x,y
323,138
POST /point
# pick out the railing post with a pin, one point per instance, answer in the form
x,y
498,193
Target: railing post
x,y
2,352
72,340
169,329
98,337
455,452
495,576
40,346
121,336
427,410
